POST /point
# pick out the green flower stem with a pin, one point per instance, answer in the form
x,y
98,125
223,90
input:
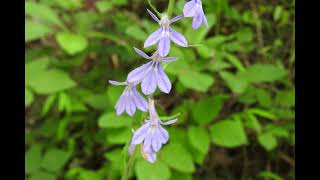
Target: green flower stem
x,y
170,8
154,8
129,167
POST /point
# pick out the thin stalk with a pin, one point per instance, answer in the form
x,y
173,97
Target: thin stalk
x,y
170,8
128,169
154,8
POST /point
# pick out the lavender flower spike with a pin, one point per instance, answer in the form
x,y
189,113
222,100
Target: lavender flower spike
x,y
151,74
151,134
130,100
164,34
194,9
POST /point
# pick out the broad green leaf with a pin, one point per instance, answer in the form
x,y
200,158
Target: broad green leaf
x,y
270,175
205,110
236,84
235,61
43,12
28,97
115,156
285,98
177,157
54,160
262,73
50,81
36,66
277,13
111,120
180,176
267,140
33,159
118,136
199,138
136,32
167,118
228,133
42,176
149,171
196,80
71,43
103,6
35,30
70,4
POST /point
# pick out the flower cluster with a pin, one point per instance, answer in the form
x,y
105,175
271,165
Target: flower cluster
x,y
151,135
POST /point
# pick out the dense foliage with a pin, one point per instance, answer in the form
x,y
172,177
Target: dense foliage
x,y
233,91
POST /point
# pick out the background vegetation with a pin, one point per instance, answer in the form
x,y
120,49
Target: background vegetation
x,y
235,93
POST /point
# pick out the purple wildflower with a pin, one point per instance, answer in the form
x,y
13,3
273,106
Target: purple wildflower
x,y
194,9
164,34
151,134
151,74
130,99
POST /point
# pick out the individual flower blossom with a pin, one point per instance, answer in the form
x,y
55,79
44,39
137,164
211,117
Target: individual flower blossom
x,y
194,9
130,99
164,34
151,134
151,75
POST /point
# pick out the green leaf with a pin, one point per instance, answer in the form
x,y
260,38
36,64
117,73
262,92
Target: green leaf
x,y
228,133
103,6
262,113
270,175
35,31
48,104
196,80
167,118
285,98
115,157
267,140
33,158
262,73
177,157
199,138
207,109
148,171
54,159
235,61
119,136
111,120
277,13
28,97
43,12
42,175
71,43
180,176
236,84
136,32
48,82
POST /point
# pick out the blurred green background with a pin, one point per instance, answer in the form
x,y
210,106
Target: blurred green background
x,y
234,91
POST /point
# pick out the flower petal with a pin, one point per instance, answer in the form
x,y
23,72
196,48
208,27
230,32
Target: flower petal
x,y
177,18
153,38
163,81
117,83
141,53
149,83
138,74
189,9
204,19
197,19
165,134
139,101
168,59
130,106
157,141
131,149
140,134
154,17
178,38
147,142
121,105
169,122
164,46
